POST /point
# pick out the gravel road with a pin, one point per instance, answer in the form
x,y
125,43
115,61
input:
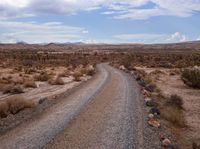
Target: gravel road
x,y
105,113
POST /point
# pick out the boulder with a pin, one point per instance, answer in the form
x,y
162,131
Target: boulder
x,y
166,143
142,83
150,87
150,116
154,123
151,103
146,93
154,111
122,67
42,100
147,99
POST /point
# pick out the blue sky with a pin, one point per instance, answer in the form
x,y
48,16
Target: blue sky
x,y
99,21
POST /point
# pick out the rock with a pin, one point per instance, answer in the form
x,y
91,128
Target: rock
x,y
150,116
137,77
154,123
42,100
142,83
122,67
147,99
91,67
150,87
166,142
154,111
132,72
151,103
162,137
146,93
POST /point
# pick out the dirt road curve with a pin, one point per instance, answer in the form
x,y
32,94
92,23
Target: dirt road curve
x,y
105,113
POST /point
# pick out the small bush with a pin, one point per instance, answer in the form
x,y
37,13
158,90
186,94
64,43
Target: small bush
x,y
14,105
87,71
173,115
175,101
29,70
30,84
65,73
2,86
13,89
77,76
90,71
43,76
5,80
4,109
191,77
57,81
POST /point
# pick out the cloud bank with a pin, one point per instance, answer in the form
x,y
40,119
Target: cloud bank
x,y
32,32
128,9
152,38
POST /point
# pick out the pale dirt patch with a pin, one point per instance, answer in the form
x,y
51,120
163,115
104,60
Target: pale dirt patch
x,y
172,84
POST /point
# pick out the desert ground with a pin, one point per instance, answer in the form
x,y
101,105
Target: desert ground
x,y
100,96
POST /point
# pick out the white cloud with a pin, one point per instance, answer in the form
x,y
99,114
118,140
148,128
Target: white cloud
x,y
177,37
33,32
151,38
198,38
126,9
180,8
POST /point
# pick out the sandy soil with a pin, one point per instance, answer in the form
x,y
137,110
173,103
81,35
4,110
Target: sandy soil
x,y
43,90
172,84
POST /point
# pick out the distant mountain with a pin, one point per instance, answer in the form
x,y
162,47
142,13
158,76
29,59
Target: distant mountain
x,y
73,43
21,42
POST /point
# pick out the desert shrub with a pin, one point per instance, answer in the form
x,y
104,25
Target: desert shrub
x,y
156,72
14,105
5,80
173,115
90,70
43,76
175,101
87,71
1,87
12,89
29,70
18,81
57,81
77,75
30,84
191,77
65,73
4,109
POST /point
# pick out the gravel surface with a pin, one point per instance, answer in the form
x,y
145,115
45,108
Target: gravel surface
x,y
106,113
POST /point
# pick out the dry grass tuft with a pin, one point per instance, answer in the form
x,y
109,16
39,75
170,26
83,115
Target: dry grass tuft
x,y
5,80
173,115
175,101
57,81
65,73
191,77
4,109
12,89
77,76
14,105
172,111
43,76
30,84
